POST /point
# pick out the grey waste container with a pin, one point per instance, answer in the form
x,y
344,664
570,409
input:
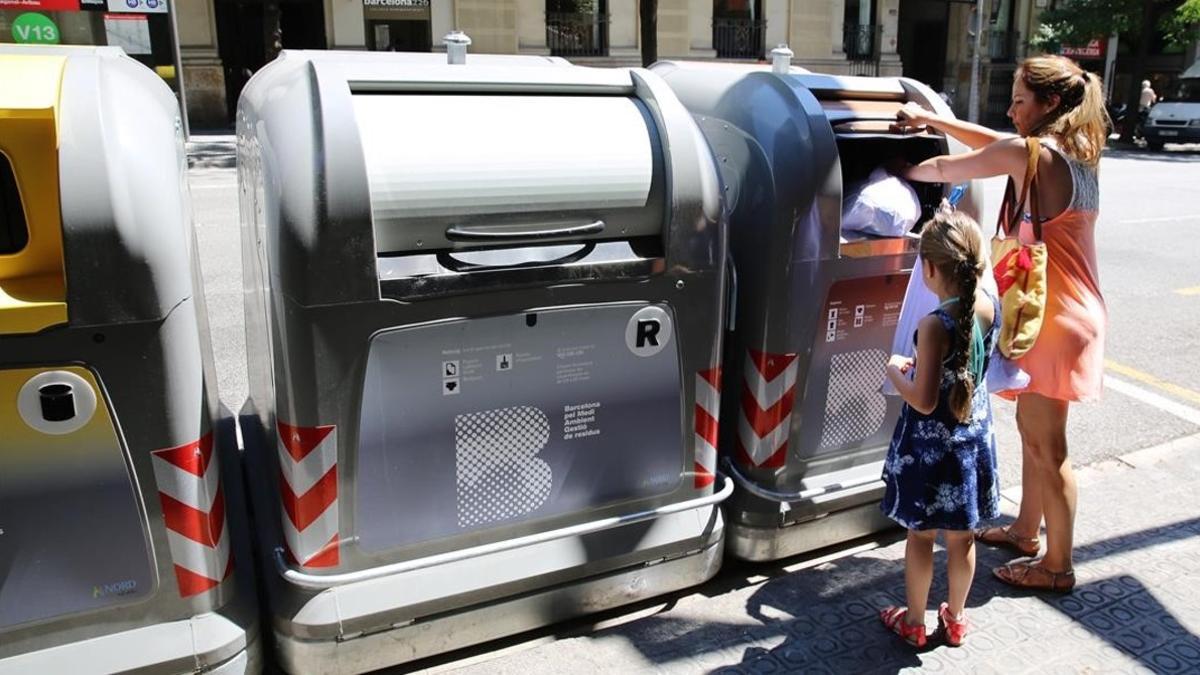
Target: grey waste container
x,y
114,544
805,428
483,322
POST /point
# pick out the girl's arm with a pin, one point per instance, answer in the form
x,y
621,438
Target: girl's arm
x,y
974,136
921,393
1006,157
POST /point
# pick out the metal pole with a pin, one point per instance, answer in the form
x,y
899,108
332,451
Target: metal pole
x,y
973,99
183,114
1110,60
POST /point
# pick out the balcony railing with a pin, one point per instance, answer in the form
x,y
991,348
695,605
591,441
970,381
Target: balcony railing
x,y
577,34
861,45
739,38
1002,45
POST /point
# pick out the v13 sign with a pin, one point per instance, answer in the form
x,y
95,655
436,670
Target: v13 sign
x,y
34,28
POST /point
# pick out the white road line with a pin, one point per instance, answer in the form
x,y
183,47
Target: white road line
x,y
1154,400
1163,219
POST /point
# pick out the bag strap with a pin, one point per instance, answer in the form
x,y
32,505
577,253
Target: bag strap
x,y
1012,209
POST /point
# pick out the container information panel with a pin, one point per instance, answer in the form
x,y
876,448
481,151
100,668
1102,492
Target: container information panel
x,y
487,422
72,538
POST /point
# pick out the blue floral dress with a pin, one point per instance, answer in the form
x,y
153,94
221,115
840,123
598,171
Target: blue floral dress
x,y
940,473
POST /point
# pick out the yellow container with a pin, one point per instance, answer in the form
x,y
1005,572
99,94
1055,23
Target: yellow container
x,y
32,280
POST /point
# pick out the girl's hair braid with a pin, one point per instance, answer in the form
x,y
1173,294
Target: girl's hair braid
x,y
953,244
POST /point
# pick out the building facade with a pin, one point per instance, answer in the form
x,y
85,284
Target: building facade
x,y
224,41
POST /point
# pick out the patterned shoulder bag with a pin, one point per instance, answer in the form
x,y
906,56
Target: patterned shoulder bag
x,y
1020,269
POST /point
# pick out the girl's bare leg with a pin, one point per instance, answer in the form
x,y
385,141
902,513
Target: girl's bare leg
x,y
918,573
960,568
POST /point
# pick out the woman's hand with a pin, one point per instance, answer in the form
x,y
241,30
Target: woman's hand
x,y
913,115
898,166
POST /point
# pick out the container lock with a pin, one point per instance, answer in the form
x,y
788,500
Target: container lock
x,y
58,402
456,47
781,59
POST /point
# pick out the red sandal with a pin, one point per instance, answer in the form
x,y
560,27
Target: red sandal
x,y
953,631
893,619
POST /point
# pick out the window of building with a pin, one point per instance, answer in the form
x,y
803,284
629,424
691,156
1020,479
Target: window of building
x,y
141,27
739,29
577,27
398,25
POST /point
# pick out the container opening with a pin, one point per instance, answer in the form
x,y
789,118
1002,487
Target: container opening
x,y
860,156
14,232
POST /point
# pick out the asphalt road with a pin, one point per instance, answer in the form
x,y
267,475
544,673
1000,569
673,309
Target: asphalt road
x,y
1149,249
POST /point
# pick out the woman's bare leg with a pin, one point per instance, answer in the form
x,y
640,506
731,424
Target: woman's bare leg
x,y
1044,428
1029,519
960,568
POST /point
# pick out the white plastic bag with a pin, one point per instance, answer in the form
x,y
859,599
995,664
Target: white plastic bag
x,y
884,206
1002,374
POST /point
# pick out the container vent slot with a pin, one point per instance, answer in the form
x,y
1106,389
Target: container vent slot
x,y
14,232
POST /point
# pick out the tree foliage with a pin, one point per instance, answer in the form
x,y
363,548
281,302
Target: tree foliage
x,y
1079,21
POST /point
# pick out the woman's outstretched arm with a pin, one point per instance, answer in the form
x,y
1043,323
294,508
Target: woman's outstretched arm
x,y
1004,158
974,136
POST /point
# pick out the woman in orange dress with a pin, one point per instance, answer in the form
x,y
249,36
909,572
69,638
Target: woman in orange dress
x,y
1063,105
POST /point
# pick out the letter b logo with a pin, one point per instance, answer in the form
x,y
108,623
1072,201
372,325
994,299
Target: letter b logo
x,y
497,471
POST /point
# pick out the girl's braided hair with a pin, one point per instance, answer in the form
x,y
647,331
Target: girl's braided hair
x,y
952,242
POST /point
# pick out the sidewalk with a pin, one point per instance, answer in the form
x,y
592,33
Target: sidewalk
x,y
212,151
1135,609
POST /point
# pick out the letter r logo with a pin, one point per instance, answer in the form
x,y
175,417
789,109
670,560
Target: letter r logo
x,y
648,331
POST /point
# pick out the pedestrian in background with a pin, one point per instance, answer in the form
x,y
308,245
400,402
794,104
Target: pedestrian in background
x,y
940,470
1148,97
1056,101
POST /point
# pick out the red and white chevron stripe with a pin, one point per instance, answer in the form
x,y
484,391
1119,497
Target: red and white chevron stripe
x,y
768,391
708,411
308,487
189,487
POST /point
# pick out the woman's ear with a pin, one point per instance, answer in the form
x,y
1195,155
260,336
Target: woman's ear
x,y
1052,103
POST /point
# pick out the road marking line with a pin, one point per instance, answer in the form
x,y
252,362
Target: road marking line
x,y
1146,378
1152,399
1194,290
1162,219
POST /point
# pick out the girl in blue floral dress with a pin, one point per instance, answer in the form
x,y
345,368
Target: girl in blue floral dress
x,y
941,467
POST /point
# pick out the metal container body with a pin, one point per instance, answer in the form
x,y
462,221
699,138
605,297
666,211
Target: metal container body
x,y
113,529
806,428
482,393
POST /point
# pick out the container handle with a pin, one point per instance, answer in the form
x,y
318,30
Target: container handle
x,y
315,582
792,497
493,234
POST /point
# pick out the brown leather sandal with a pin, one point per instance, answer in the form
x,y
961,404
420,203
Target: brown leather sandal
x,y
1004,538
1030,574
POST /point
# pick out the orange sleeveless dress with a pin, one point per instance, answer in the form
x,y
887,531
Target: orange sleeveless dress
x,y
1067,360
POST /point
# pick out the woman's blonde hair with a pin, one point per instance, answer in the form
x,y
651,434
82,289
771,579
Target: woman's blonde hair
x,y
1080,121
953,243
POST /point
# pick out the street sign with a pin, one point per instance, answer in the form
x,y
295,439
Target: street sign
x,y
137,6
1092,50
32,28
41,5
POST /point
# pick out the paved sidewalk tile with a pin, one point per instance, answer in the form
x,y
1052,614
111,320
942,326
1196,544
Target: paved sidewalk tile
x,y
1135,609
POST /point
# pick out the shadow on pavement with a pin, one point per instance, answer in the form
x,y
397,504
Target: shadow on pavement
x,y
827,618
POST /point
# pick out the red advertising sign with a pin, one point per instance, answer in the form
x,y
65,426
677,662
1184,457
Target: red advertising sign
x,y
42,5
1093,50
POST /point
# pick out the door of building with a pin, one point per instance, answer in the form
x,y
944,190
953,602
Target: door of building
x,y
251,32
